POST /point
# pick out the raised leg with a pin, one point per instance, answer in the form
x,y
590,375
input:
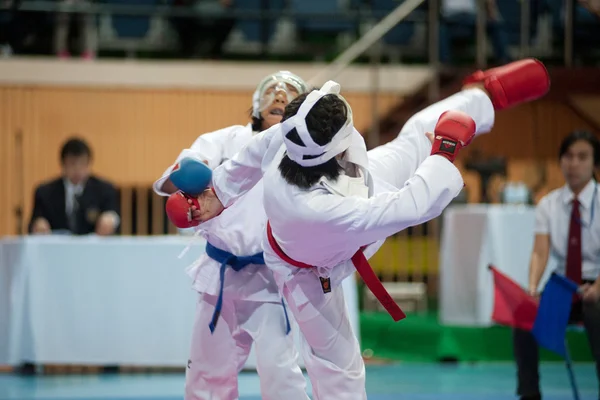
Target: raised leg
x,y
397,161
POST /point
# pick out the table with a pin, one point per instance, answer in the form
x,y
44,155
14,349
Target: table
x,y
473,237
102,301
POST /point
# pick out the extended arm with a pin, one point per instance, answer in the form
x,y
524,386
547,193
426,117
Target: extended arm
x,y
539,259
237,176
109,219
435,184
541,246
38,223
424,196
364,221
208,148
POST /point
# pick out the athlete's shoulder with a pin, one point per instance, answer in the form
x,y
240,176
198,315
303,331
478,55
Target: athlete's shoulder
x,y
235,130
240,131
224,133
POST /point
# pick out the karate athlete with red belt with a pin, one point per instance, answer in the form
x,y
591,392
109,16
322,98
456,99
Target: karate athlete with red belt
x,y
331,204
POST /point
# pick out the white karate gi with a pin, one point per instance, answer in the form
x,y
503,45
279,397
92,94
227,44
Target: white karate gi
x,y
326,225
252,311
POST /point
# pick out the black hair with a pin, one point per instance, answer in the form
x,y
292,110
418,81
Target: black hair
x,y
75,147
586,137
323,121
256,121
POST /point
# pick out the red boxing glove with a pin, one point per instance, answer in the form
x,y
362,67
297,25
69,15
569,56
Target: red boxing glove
x,y
179,210
514,83
454,130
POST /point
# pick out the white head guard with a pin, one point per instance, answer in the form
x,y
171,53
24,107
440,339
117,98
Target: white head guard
x,y
279,81
316,154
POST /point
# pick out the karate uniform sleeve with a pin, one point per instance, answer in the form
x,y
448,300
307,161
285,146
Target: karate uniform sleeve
x,y
364,221
236,176
208,147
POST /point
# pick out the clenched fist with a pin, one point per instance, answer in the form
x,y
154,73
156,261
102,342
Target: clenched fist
x,y
186,211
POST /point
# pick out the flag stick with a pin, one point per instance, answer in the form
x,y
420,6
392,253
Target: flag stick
x,y
570,370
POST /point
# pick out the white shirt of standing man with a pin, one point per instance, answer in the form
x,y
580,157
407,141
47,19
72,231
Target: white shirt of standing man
x,y
578,158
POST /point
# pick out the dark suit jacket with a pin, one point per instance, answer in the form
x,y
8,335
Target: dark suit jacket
x,y
98,196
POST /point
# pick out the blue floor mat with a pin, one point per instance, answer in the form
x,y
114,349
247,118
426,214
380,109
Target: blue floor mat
x,y
391,382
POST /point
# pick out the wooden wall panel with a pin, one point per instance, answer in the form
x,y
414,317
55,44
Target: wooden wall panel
x,y
15,107
589,106
134,133
530,131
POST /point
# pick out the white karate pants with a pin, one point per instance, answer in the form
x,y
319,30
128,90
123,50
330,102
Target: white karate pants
x,y
217,358
330,349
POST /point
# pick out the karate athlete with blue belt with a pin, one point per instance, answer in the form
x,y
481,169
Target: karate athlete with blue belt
x,y
239,303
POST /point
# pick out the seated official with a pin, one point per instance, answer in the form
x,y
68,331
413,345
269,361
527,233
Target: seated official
x,y
77,202
568,227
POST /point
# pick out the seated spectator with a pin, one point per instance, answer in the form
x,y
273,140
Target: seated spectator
x,y
77,201
87,32
489,169
8,27
516,193
459,19
203,35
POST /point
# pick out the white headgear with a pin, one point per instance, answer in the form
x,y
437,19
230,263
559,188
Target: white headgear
x,y
260,101
317,154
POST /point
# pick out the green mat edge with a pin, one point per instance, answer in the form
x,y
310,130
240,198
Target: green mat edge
x,y
421,338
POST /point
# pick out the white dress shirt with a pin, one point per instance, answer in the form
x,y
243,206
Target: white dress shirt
x,y
72,190
553,217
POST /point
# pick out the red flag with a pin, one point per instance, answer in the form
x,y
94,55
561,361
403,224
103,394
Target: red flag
x,y
512,305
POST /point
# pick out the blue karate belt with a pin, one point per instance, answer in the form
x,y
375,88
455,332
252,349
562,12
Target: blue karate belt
x,y
237,263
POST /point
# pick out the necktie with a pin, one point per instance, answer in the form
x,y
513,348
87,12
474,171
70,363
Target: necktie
x,y
72,216
574,262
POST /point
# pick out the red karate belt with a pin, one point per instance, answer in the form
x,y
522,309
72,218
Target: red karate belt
x,y
362,267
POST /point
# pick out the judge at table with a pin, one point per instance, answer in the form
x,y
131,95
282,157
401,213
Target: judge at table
x,y
77,202
568,227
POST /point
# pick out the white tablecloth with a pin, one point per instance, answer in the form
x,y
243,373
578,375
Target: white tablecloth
x,y
473,237
101,301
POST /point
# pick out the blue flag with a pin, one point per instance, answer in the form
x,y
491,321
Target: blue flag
x,y
550,326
